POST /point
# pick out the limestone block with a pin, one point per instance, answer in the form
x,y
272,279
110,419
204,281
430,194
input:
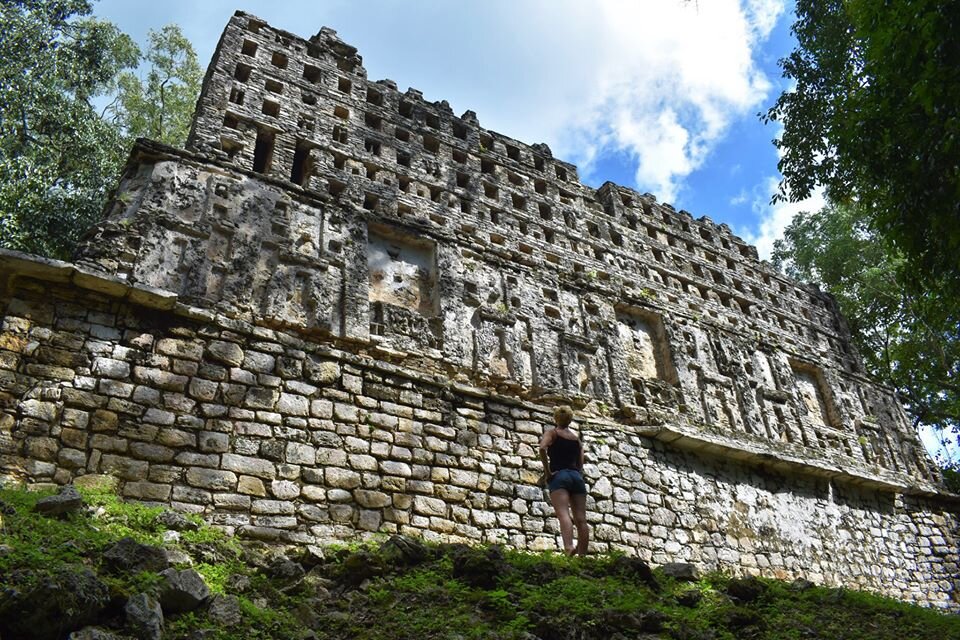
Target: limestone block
x,y
297,453
284,489
213,479
110,368
249,466
228,353
429,506
342,478
371,499
213,442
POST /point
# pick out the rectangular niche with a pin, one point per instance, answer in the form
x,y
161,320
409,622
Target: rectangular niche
x,y
813,394
644,344
403,270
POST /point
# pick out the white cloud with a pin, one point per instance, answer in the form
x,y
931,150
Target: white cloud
x,y
740,198
668,79
774,218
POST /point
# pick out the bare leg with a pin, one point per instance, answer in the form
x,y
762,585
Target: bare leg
x,y
578,502
561,506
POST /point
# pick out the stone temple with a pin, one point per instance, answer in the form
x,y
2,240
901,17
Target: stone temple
x,y
344,311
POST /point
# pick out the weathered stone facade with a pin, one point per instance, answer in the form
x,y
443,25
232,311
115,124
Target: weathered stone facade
x,y
344,310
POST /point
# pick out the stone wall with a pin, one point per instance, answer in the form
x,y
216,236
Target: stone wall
x,y
283,439
344,311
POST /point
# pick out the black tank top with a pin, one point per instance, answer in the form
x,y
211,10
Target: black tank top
x,y
564,454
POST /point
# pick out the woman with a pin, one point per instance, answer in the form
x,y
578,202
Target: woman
x,y
562,455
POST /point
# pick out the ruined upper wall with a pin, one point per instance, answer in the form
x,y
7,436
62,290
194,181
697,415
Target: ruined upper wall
x,y
315,200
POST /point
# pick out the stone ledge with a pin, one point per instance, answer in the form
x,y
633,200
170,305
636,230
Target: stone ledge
x,y
15,264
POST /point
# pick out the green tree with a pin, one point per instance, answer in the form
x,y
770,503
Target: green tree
x,y
161,106
905,338
58,157
875,117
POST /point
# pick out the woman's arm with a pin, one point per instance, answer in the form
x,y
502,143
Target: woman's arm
x,y
545,443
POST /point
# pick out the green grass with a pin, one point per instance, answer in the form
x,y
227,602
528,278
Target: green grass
x,y
547,595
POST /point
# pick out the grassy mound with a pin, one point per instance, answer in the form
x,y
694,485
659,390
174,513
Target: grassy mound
x,y
56,577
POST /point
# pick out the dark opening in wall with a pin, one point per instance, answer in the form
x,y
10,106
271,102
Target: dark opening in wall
x,y
561,173
273,86
339,134
405,109
302,164
231,147
372,121
344,85
435,193
538,163
431,144
404,184
486,143
346,65
706,235
249,48
459,156
513,153
263,151
460,130
626,200
271,108
335,187
339,161
312,74
371,146
236,96
403,158
254,26
279,60
487,166
230,121
490,191
519,202
540,186
374,97
341,112
514,179
370,201
463,180
545,211
242,72
433,121
309,98
402,135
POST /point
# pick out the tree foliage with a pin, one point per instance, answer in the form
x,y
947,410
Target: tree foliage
x,y
907,339
160,107
875,117
59,156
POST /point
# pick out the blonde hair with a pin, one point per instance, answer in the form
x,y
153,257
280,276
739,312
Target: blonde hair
x,y
563,415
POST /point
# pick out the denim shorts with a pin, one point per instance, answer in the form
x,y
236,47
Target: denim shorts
x,y
569,479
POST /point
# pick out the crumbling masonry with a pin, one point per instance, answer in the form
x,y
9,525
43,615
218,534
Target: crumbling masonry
x,y
344,310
